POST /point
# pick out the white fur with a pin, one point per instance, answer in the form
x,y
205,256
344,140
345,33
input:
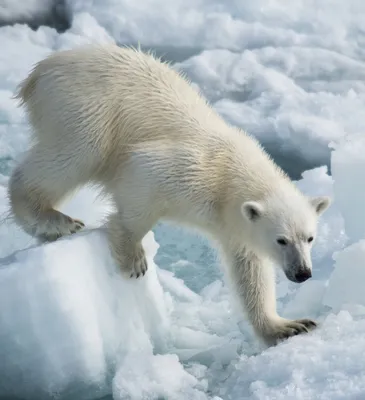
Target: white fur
x,y
128,122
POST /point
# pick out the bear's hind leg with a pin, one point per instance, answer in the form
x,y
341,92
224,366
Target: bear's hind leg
x,y
36,186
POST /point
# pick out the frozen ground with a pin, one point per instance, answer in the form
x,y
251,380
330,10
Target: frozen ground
x,y
291,74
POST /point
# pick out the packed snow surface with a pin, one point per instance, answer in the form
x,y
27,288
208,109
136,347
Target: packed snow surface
x,y
70,326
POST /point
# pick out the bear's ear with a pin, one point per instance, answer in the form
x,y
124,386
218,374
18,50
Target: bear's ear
x,y
252,210
320,203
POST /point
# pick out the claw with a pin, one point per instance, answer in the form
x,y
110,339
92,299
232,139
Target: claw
x,y
133,262
290,328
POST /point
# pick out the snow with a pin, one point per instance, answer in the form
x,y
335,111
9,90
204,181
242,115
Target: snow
x,y
67,301
293,75
27,10
342,286
326,366
349,159
290,74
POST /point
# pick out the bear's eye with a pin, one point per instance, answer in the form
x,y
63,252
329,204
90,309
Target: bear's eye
x,y
282,241
310,239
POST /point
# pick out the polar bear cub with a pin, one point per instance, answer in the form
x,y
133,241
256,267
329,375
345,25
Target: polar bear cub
x,y
124,120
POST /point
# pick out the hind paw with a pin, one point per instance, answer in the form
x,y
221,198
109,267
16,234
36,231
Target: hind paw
x,y
134,263
55,224
138,266
75,225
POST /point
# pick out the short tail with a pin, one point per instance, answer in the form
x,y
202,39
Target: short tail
x,y
26,88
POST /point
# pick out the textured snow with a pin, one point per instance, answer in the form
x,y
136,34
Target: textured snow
x,y
291,74
11,10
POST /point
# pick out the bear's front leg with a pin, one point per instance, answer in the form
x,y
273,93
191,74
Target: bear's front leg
x,y
255,281
125,238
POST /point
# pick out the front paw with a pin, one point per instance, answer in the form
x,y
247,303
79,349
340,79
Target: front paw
x,y
285,329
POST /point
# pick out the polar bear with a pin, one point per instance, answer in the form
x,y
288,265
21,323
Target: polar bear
x,y
122,119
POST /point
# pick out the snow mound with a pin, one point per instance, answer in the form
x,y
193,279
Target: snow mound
x,y
66,314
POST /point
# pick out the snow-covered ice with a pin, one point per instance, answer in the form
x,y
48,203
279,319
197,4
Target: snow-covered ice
x,y
76,316
27,10
348,159
36,13
291,74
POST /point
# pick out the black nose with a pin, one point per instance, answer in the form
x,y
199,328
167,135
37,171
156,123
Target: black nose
x,y
303,275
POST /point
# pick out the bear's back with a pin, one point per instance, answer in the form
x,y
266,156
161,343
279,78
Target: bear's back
x,y
122,92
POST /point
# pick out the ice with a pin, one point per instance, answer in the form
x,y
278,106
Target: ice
x,y
292,75
289,74
267,92
324,366
349,160
160,375
67,317
35,13
21,48
82,331
332,235
346,285
27,10
237,24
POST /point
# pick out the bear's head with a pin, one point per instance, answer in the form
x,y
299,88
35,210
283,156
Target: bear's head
x,y
283,228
